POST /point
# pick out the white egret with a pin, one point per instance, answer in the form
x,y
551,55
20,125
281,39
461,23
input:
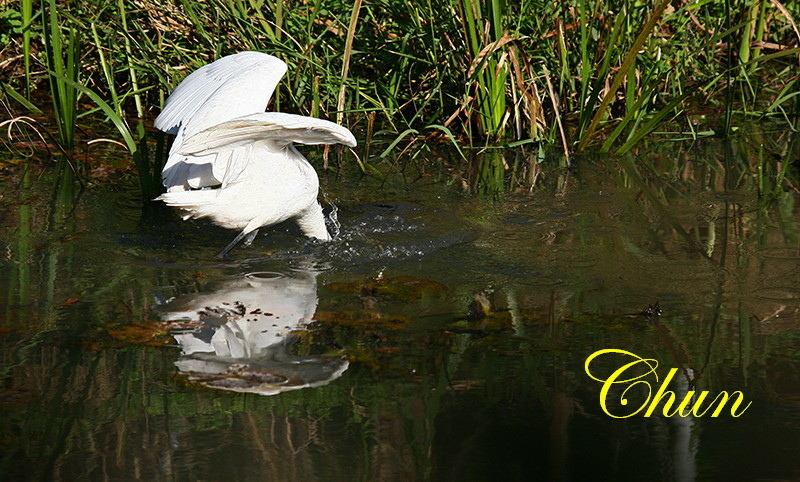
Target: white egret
x,y
233,162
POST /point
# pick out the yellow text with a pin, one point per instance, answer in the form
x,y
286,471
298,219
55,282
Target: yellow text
x,y
634,372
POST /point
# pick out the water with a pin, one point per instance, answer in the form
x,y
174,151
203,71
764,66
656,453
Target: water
x,y
441,336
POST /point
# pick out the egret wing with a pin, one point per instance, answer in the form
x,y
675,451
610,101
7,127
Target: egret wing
x,y
228,88
233,142
276,128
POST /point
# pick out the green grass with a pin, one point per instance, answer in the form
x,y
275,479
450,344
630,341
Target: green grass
x,y
582,75
62,59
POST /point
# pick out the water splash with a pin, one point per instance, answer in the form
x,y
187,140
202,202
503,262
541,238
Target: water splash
x,y
332,219
394,232
365,234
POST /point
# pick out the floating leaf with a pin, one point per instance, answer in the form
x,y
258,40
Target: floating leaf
x,y
362,318
69,302
405,288
482,317
388,350
491,324
150,333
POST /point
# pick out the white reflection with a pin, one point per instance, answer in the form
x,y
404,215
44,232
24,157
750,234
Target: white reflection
x,y
244,334
684,442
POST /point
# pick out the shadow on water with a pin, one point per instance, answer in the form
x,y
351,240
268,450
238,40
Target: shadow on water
x,y
442,335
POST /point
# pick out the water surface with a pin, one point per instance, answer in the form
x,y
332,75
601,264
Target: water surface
x,y
441,336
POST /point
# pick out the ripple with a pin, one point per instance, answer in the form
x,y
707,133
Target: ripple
x,y
524,275
511,235
264,275
579,262
600,229
786,253
778,293
520,219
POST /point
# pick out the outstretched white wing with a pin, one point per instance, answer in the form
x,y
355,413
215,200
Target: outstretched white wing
x,y
228,88
231,143
275,127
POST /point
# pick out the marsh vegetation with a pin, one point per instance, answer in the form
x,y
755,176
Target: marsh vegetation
x,y
555,78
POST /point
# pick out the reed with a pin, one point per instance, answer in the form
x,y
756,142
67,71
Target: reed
x,y
26,12
622,72
63,72
489,69
580,75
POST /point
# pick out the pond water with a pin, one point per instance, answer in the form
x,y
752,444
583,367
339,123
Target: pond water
x,y
443,335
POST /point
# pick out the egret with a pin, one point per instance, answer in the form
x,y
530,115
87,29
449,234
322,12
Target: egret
x,y
236,164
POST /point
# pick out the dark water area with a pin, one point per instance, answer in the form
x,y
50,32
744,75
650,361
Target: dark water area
x,y
443,334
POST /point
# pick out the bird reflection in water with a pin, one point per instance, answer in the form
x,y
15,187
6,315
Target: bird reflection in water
x,y
245,334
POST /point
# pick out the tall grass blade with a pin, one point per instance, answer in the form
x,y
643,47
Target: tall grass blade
x,y
21,99
449,134
61,70
403,135
119,122
26,11
654,121
348,51
622,72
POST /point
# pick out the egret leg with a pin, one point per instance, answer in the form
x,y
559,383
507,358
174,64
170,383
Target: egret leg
x,y
248,235
248,240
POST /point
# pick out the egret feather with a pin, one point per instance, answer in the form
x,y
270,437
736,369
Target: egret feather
x,y
236,164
